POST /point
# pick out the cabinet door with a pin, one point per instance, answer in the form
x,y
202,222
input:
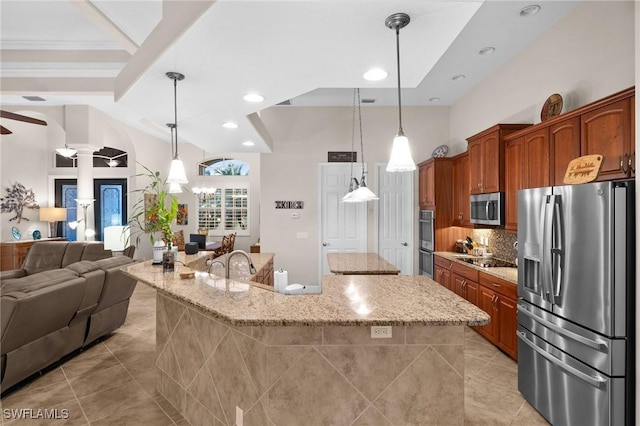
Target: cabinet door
x,y
486,302
475,167
607,131
536,154
426,188
491,163
632,152
471,292
507,325
438,275
564,141
430,194
446,279
514,169
458,285
461,206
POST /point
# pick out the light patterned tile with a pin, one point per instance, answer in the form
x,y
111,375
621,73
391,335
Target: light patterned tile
x,y
66,414
281,358
454,355
435,335
171,391
528,416
196,413
371,417
82,365
101,404
339,335
100,379
295,335
428,392
204,391
209,331
313,392
486,404
257,416
43,397
254,354
145,412
231,378
169,364
171,311
361,364
498,376
187,349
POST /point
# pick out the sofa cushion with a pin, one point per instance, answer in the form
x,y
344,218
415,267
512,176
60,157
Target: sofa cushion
x,y
73,253
37,281
44,255
95,251
113,262
83,267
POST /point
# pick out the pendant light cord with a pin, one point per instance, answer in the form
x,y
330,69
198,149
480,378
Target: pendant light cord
x,y
175,110
360,125
353,137
400,132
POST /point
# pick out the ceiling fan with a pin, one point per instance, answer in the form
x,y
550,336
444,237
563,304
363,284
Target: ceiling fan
x,y
18,117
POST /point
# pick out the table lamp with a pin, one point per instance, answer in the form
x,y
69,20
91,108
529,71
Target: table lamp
x,y
115,237
53,215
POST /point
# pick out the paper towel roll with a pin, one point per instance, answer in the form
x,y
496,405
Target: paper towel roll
x,y
280,281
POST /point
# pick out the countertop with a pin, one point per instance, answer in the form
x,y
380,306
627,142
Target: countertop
x,y
359,264
345,300
507,274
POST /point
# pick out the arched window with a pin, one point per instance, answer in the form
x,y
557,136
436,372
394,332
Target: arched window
x,y
224,167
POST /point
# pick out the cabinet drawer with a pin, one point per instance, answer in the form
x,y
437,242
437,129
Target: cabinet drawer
x,y
465,271
499,286
441,261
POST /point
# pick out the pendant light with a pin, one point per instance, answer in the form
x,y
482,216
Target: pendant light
x,y
176,172
174,187
66,151
358,192
400,160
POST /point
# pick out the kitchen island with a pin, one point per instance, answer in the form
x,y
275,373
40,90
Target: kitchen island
x,y
310,359
360,264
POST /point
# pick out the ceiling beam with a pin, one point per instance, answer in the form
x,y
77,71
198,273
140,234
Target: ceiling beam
x,y
177,17
93,14
64,56
56,85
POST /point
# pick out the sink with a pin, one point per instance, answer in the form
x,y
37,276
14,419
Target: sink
x,y
464,256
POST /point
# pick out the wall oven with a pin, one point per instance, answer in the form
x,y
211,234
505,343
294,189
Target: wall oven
x,y
427,242
487,209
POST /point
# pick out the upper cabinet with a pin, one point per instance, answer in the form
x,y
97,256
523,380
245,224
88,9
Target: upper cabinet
x,y
607,131
435,185
461,206
564,138
426,185
486,158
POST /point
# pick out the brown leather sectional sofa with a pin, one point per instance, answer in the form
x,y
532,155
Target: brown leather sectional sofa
x,y
65,296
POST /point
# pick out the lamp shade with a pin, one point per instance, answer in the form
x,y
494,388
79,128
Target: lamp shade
x,y
176,172
116,237
363,194
66,151
53,214
175,188
400,160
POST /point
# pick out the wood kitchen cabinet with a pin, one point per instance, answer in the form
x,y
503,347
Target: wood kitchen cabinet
x,y
527,160
498,298
564,141
461,206
607,131
442,272
465,282
426,185
486,158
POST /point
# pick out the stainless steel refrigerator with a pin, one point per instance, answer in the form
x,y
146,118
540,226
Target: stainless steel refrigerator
x,y
576,314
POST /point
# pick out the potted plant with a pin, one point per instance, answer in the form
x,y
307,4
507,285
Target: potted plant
x,y
155,211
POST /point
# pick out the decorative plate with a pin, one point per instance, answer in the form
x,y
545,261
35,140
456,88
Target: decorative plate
x,y
551,107
440,151
16,233
36,235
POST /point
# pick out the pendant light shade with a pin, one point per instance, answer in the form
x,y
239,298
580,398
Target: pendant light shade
x,y
401,159
176,171
175,188
66,151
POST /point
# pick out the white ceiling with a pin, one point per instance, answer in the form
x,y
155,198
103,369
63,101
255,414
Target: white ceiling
x,y
113,55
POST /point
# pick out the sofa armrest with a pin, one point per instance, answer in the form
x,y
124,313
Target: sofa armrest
x,y
12,273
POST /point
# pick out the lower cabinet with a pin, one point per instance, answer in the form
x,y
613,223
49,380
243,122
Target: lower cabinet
x,y
493,295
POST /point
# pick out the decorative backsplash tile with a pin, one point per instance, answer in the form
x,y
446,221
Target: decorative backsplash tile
x,y
500,242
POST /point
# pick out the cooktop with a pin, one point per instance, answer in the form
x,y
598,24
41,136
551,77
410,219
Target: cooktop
x,y
489,263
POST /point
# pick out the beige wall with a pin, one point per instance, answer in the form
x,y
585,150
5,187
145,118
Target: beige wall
x,y
302,137
585,57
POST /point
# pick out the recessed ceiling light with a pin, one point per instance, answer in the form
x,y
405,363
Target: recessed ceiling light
x,y
230,125
248,143
529,10
253,97
375,74
487,50
434,99
458,77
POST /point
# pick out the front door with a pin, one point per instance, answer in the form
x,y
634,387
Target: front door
x,y
343,225
395,218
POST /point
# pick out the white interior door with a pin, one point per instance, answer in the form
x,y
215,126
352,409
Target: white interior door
x,y
395,218
343,226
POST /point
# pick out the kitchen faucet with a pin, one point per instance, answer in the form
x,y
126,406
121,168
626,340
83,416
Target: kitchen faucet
x,y
227,260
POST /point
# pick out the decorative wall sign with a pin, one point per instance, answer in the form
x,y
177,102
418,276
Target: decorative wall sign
x,y
342,157
289,204
551,107
17,199
583,169
183,214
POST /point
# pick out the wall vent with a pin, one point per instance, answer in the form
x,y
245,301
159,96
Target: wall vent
x,y
285,103
368,101
34,98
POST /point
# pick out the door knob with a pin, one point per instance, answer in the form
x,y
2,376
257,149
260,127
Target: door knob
x,y
324,244
405,244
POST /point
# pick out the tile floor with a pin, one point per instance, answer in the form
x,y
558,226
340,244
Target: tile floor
x,y
113,382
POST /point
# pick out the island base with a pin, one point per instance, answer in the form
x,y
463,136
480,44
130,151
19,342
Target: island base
x,y
295,375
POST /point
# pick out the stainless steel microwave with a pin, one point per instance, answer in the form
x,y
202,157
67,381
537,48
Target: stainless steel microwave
x,y
487,209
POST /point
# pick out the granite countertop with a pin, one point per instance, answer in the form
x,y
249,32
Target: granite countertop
x,y
345,300
507,274
359,263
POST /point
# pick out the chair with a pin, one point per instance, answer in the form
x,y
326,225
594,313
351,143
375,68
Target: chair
x,y
226,246
129,251
178,240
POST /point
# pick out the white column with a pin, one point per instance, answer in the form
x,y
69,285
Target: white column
x,y
85,188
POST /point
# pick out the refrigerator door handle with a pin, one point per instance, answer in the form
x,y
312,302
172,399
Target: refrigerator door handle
x,y
593,381
557,248
597,344
545,262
